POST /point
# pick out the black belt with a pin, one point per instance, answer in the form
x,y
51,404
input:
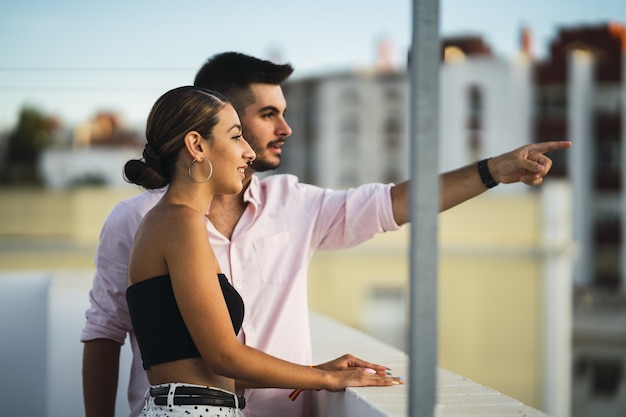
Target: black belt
x,y
197,396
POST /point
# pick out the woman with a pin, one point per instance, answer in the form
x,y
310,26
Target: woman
x,y
185,313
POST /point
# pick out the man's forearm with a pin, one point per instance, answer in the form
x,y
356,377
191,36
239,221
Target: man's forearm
x,y
526,164
458,186
101,359
455,187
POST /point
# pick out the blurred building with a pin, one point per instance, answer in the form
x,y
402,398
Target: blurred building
x,y
352,128
580,94
95,155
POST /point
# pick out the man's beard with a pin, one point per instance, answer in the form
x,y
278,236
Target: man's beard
x,y
262,165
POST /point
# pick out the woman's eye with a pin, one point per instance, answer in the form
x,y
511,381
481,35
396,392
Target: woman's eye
x,y
237,137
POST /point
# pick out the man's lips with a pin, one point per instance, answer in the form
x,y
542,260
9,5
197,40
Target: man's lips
x,y
276,146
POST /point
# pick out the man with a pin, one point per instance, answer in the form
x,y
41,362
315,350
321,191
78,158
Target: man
x,y
264,238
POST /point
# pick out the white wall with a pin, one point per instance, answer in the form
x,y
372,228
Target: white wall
x,y
41,361
62,167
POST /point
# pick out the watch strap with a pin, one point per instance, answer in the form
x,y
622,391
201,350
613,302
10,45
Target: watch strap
x,y
485,175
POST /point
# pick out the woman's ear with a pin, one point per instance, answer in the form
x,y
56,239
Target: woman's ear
x,y
194,145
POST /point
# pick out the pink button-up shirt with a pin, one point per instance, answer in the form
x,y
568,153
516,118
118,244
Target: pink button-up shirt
x,y
266,260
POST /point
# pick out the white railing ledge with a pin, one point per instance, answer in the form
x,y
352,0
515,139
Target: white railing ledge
x,y
457,396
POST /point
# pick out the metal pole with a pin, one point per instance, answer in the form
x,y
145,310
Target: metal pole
x,y
623,168
579,127
424,105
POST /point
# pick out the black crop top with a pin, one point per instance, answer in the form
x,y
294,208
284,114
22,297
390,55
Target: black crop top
x,y
161,332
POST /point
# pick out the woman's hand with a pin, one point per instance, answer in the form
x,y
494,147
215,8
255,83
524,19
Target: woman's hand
x,y
359,377
350,371
349,361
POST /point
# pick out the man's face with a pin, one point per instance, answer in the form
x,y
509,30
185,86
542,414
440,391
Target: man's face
x,y
264,126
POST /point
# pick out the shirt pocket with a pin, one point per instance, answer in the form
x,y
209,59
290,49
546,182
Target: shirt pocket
x,y
275,259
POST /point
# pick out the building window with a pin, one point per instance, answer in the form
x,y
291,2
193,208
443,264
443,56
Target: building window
x,y
393,96
349,99
551,102
604,374
608,161
475,107
395,154
475,101
393,132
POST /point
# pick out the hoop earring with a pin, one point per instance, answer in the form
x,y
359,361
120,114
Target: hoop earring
x,y
207,178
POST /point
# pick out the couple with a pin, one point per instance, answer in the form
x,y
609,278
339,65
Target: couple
x,y
262,238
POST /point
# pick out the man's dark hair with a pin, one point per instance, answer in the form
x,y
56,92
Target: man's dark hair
x,y
231,74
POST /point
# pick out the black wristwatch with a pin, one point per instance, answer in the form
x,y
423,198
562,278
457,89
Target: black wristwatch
x,y
485,175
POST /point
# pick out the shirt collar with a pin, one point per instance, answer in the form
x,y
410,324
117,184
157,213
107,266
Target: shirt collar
x,y
253,192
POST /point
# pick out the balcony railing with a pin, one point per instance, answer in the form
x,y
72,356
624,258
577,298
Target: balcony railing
x,y
43,314
457,396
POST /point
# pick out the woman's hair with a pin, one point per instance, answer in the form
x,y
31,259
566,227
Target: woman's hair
x,y
175,113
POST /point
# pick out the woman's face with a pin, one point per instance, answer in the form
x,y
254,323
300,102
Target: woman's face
x,y
229,153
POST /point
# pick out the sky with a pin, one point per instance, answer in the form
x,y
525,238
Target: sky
x,y
72,58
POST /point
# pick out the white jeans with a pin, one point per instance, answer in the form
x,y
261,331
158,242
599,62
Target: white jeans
x,y
171,410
